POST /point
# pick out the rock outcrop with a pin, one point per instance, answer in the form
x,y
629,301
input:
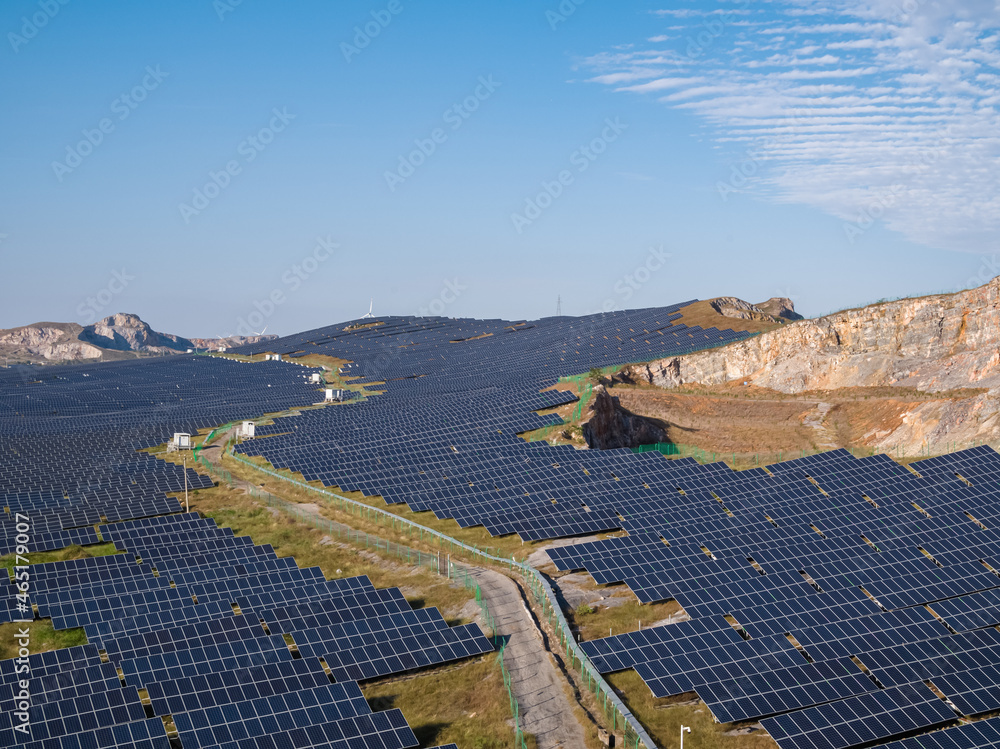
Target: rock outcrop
x,y
730,306
46,341
611,426
118,336
779,306
126,332
933,344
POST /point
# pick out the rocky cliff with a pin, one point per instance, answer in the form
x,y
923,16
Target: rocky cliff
x,y
933,344
126,332
609,425
46,341
118,336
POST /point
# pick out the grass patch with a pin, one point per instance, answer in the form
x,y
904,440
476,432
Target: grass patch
x,y
593,621
467,705
43,637
663,719
705,315
9,561
231,508
505,546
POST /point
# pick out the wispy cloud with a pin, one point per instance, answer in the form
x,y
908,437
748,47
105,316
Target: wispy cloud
x,y
843,100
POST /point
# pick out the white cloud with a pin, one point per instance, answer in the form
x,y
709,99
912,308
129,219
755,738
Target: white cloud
x,y
846,100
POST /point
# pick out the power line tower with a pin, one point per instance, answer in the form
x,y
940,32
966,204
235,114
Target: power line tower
x,y
558,305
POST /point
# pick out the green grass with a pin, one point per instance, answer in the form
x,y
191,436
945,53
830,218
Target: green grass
x,y
504,546
663,718
43,637
9,561
467,705
231,508
598,621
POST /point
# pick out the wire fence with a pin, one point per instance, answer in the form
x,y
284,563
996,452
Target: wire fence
x,y
618,716
416,558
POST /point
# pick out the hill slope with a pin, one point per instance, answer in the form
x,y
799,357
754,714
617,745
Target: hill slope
x,y
117,336
945,345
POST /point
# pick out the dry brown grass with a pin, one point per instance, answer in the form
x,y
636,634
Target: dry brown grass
x,y
749,421
598,621
505,546
703,314
663,719
465,704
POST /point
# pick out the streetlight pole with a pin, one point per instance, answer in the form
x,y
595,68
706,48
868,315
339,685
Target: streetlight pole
x,y
684,729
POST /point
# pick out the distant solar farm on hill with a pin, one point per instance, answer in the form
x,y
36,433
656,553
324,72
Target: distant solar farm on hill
x,y
840,601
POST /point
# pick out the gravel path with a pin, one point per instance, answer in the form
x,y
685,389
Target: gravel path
x,y
546,711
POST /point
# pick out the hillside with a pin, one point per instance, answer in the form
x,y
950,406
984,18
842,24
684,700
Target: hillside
x,y
117,336
895,375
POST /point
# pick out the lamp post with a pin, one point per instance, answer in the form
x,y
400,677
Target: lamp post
x,y
684,729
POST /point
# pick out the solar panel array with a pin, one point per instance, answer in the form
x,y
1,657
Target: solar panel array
x,y
850,582
824,563
196,625
443,436
187,611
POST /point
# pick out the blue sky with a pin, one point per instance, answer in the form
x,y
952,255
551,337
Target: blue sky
x,y
485,159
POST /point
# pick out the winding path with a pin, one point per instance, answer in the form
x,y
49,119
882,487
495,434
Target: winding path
x,y
539,686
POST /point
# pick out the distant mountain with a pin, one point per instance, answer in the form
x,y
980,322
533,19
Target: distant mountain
x,y
119,336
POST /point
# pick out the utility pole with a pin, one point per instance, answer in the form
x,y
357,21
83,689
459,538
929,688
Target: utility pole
x,y
559,305
187,507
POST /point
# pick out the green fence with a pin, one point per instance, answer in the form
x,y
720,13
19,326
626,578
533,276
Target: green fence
x,y
416,558
618,716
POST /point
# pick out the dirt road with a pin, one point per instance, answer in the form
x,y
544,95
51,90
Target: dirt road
x,y
545,707
546,710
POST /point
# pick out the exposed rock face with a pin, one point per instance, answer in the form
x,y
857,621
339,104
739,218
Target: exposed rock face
x,y
932,344
125,332
48,341
730,306
775,309
117,336
779,306
612,426
230,341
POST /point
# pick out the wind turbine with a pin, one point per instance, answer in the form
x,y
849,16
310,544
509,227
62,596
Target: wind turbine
x,y
369,314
